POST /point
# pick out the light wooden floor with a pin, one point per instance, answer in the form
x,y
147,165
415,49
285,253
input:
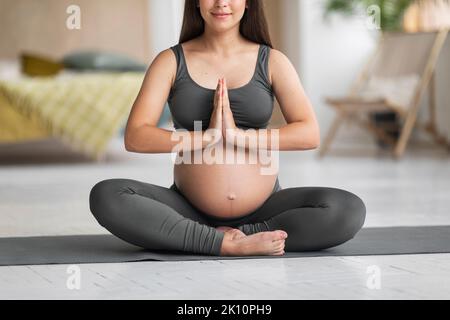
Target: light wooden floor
x,y
48,196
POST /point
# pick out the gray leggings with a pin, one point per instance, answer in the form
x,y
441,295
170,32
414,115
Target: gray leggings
x,y
160,218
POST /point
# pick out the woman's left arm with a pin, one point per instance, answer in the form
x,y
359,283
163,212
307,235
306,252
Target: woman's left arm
x,y
302,130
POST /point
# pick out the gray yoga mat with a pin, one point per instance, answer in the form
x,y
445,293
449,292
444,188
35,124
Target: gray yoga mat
x,y
108,248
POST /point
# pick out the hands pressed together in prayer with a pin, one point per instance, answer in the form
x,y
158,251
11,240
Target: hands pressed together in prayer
x,y
222,117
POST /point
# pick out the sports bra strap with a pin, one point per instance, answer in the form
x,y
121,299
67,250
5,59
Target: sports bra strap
x,y
262,67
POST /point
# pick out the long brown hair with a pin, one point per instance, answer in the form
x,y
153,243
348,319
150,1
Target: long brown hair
x,y
253,25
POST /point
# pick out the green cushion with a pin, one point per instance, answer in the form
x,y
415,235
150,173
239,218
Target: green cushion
x,y
103,61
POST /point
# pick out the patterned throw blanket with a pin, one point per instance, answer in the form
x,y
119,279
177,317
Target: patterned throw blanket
x,y
85,111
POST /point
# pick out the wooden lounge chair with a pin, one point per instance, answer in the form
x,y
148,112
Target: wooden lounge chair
x,y
398,56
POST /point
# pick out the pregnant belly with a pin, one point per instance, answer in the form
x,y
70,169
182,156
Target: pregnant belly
x,y
225,190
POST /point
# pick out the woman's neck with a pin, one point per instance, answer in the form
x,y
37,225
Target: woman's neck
x,y
222,43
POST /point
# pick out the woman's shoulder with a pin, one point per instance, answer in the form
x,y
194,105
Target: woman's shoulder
x,y
276,54
165,57
169,57
278,62
164,64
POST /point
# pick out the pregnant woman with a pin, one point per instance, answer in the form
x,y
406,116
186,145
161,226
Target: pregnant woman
x,y
224,74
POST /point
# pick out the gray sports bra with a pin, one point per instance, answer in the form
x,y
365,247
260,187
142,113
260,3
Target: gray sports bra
x,y
251,104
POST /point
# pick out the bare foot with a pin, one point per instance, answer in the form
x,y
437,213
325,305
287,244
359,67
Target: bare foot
x,y
261,243
236,233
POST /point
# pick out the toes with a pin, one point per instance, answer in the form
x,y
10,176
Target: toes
x,y
278,245
278,252
280,234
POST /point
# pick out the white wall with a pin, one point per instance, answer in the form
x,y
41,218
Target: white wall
x,y
332,54
442,98
165,23
290,31
442,91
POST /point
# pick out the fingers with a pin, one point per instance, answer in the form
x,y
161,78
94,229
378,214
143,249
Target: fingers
x,y
217,93
215,122
225,100
221,94
217,112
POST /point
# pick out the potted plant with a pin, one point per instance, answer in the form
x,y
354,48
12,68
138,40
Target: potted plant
x,y
391,11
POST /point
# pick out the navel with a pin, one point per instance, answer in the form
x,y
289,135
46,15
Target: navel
x,y
231,196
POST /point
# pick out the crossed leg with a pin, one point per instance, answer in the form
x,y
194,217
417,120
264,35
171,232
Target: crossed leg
x,y
152,217
155,217
314,217
159,218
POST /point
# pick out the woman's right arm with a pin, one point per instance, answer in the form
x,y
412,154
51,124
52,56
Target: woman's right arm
x,y
142,134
